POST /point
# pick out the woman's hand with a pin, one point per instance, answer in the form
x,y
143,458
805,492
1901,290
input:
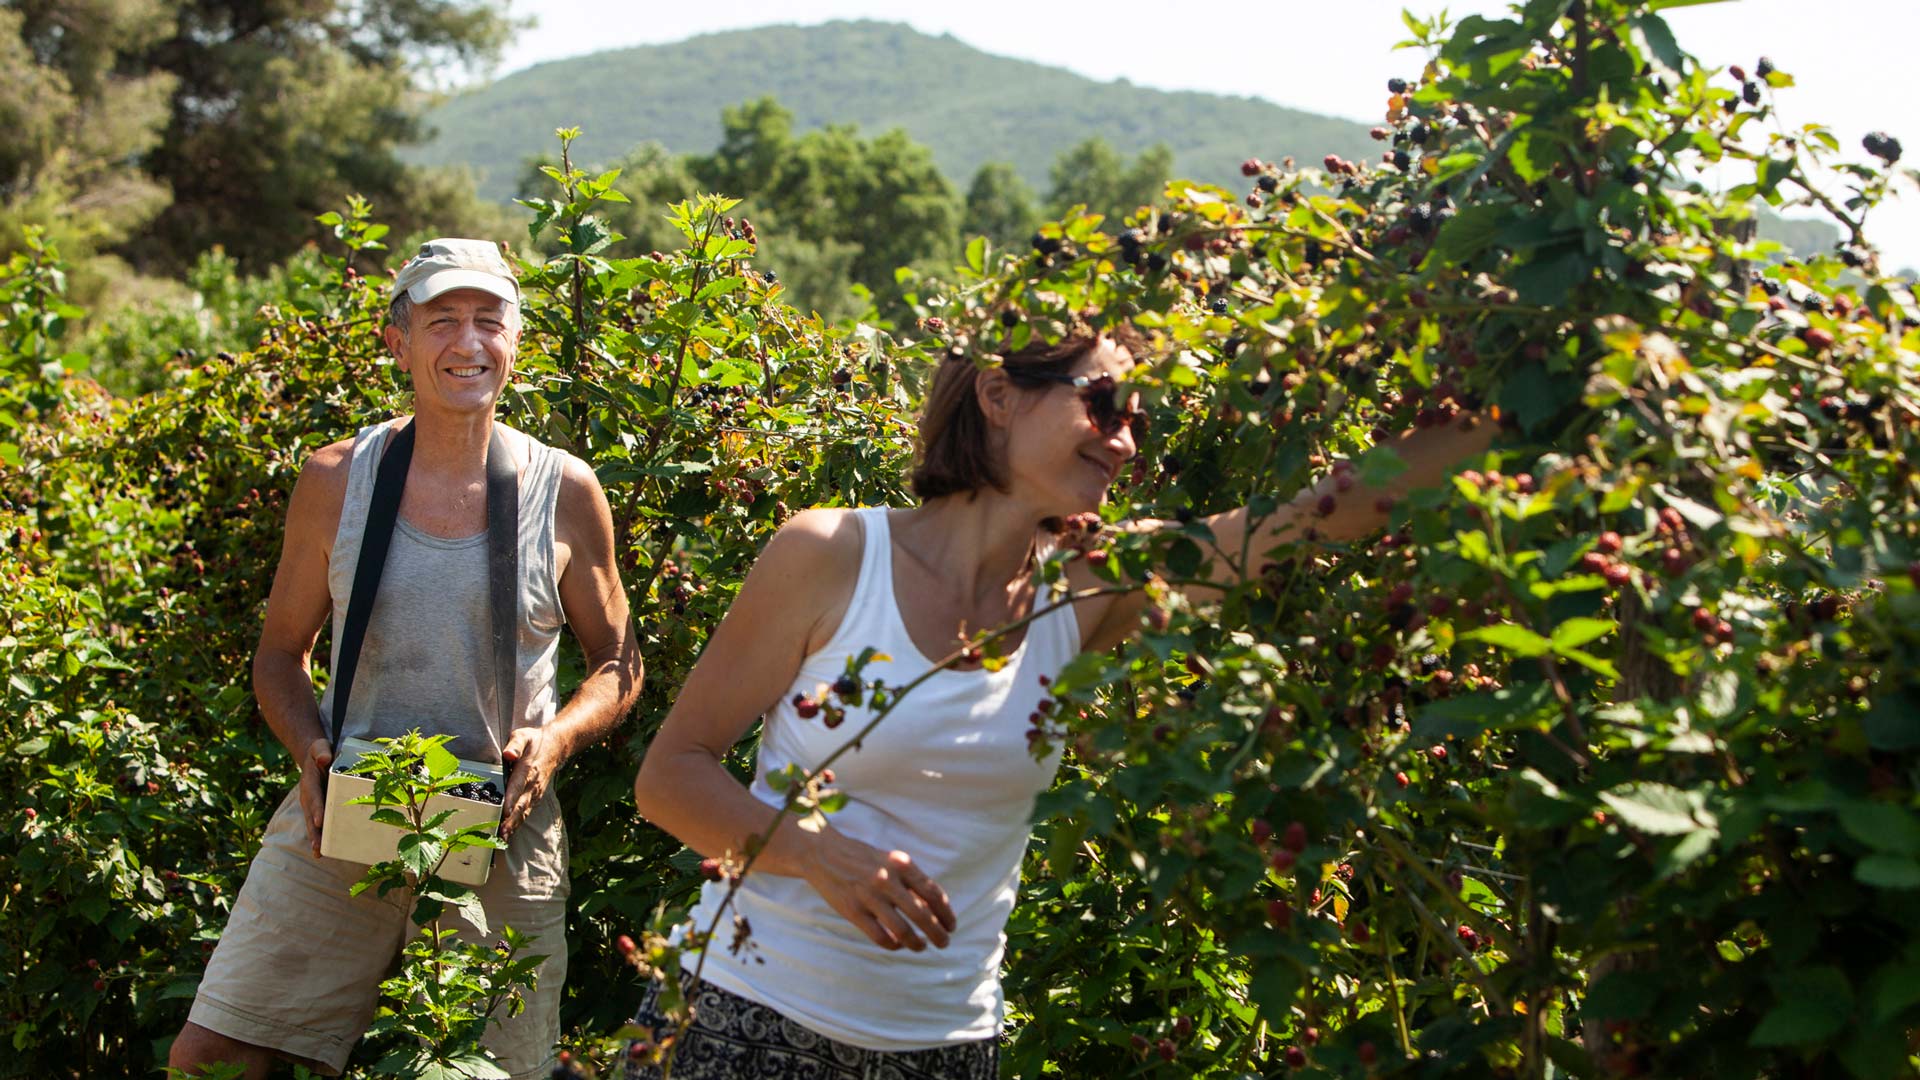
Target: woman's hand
x,y
881,892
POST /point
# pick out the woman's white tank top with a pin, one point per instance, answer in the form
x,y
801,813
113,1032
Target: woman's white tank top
x,y
949,779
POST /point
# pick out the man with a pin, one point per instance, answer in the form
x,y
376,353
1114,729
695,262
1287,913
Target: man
x,y
296,973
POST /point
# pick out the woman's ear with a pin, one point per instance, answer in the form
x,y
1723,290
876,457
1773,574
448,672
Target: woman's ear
x,y
997,397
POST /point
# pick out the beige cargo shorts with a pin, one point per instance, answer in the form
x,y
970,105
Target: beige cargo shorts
x,y
299,965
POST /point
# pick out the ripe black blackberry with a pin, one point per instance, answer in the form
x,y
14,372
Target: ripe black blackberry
x,y
1419,134
1156,262
1009,319
1764,68
1396,86
1402,160
1750,92
1217,304
1882,145
1267,183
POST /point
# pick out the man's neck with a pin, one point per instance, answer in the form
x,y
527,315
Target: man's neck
x,y
451,445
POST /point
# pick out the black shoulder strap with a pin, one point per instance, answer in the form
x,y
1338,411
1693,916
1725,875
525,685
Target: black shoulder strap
x,y
384,509
503,574
503,571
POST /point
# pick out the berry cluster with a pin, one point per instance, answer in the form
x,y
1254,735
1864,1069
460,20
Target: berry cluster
x,y
485,791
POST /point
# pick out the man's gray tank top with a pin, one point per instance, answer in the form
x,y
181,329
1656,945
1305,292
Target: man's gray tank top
x,y
427,659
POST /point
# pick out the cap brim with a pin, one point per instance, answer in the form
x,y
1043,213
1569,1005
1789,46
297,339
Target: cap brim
x,y
441,281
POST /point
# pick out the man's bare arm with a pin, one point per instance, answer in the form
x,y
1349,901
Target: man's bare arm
x,y
596,608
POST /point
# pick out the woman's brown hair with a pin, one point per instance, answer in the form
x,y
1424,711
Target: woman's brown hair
x,y
954,453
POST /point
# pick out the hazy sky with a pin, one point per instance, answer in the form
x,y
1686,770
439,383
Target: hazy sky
x,y
1852,59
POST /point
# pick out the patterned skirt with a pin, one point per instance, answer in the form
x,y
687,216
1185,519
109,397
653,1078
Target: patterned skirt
x,y
732,1037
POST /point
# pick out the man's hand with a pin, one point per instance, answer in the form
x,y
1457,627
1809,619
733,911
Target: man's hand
x,y
313,788
532,757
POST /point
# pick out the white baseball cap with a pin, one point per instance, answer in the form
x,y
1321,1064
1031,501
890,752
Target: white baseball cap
x,y
452,262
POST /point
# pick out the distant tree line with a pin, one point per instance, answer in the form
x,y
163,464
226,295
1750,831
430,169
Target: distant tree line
x,y
833,208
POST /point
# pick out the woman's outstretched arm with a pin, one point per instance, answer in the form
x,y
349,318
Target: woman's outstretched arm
x,y
1431,455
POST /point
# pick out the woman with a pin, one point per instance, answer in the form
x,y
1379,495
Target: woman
x,y
875,942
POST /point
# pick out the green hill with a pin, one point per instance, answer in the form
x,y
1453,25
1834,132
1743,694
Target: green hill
x,y
970,107
967,106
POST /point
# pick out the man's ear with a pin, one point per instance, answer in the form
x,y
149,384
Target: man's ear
x,y
997,397
395,340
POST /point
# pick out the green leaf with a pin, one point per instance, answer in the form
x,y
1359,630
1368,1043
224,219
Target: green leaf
x,y
1534,155
977,254
1795,1021
718,287
1724,695
1273,988
1510,637
1063,848
1380,465
1658,39
1684,853
419,854
1595,664
440,762
1547,280
1893,723
1578,631
1888,872
1706,517
1892,989
475,1065
1658,808
1814,1005
1470,232
1882,826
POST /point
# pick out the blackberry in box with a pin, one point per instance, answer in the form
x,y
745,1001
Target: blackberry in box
x,y
350,834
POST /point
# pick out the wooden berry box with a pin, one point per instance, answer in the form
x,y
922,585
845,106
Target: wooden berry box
x,y
349,833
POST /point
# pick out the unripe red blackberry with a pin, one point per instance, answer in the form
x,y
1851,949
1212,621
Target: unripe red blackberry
x,y
1295,838
1279,914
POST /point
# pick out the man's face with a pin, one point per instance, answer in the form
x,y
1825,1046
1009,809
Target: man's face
x,y
459,350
